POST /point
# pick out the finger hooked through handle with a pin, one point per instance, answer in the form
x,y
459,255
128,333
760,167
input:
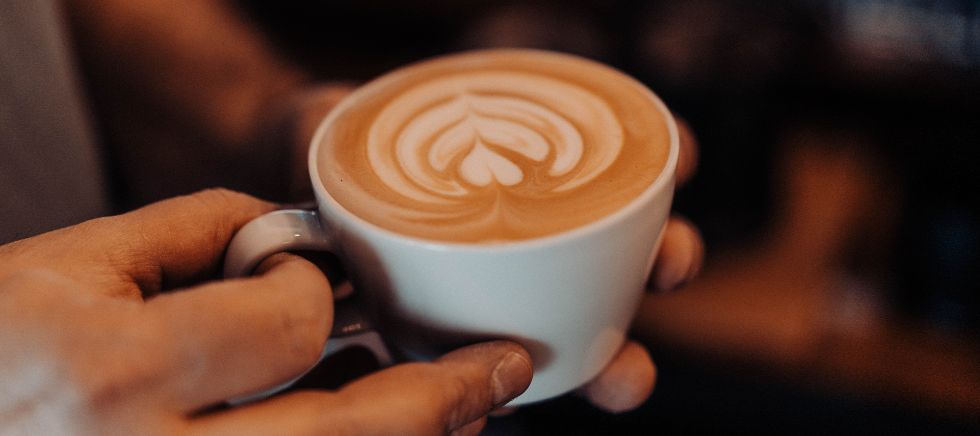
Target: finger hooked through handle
x,y
272,233
291,230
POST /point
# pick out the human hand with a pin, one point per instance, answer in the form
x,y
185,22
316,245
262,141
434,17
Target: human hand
x,y
92,344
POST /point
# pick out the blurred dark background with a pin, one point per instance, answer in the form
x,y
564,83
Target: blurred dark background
x,y
836,191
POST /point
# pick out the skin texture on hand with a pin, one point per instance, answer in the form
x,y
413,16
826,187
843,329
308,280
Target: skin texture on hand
x,y
92,345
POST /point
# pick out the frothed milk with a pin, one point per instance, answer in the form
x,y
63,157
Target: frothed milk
x,y
492,146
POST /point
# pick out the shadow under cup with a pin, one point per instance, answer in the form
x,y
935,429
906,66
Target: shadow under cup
x,y
568,298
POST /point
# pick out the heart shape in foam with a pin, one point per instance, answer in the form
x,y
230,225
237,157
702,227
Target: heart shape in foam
x,y
472,134
482,167
440,141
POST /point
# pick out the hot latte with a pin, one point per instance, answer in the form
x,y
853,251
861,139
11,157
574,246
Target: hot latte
x,y
489,146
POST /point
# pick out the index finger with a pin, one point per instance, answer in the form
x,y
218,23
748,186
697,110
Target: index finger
x,y
183,239
165,244
175,241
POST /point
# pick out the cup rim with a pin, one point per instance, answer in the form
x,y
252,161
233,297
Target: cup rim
x,y
663,181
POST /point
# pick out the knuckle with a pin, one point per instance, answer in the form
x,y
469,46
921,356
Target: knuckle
x,y
225,208
98,387
114,374
459,404
227,202
454,399
36,278
304,328
221,196
95,225
306,323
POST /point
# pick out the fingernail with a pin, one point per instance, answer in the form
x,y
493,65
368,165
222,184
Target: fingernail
x,y
510,378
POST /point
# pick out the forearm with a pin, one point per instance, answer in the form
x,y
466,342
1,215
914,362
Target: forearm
x,y
200,59
189,95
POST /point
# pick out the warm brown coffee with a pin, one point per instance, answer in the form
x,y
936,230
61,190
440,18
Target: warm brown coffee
x,y
496,145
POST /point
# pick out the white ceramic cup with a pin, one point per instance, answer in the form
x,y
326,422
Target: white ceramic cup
x,y
568,298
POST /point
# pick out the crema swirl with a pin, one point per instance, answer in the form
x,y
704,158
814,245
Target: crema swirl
x,y
493,146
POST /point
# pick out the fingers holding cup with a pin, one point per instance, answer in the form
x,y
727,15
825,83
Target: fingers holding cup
x,y
680,258
625,383
451,395
236,337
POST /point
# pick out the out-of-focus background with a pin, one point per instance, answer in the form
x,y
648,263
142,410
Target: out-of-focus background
x,y
837,193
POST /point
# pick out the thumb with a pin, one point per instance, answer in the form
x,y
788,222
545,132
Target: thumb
x,y
439,397
442,396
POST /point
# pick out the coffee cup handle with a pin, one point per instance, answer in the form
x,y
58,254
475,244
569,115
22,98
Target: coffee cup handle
x,y
291,230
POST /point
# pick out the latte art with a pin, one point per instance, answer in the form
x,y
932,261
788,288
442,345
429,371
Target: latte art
x,y
448,140
493,146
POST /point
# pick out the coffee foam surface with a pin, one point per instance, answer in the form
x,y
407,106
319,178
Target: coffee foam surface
x,y
493,146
